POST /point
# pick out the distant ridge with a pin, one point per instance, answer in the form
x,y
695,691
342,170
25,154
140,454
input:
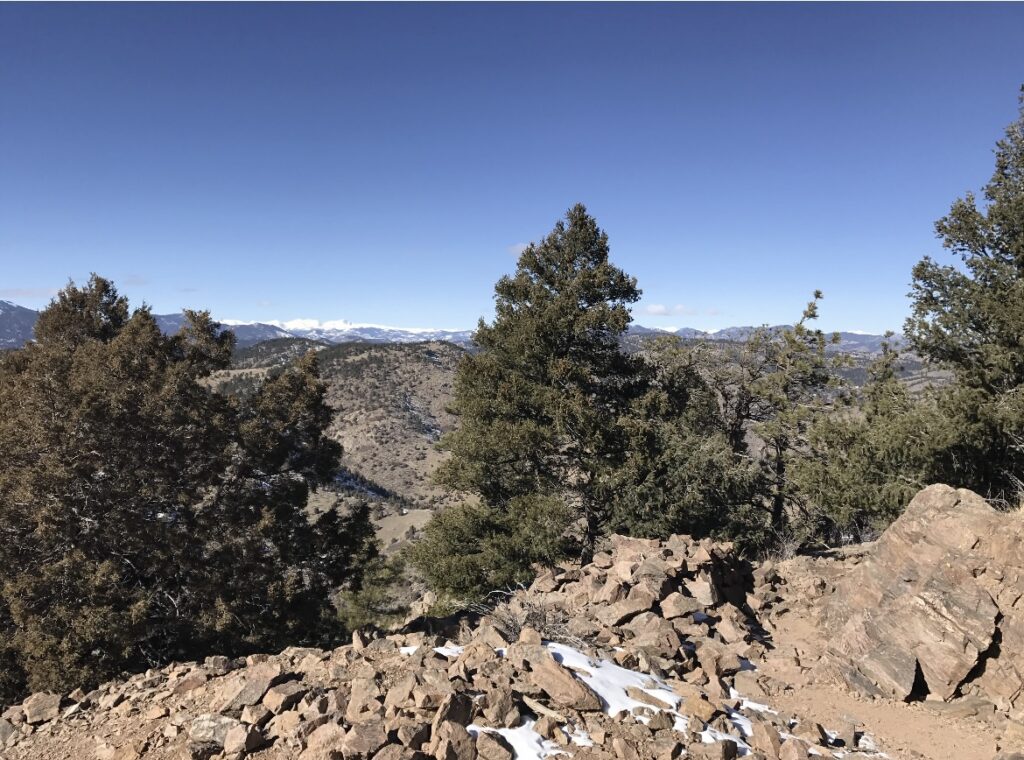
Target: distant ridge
x,y
17,323
850,342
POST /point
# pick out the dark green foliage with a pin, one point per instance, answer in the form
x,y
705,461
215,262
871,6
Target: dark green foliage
x,y
770,391
540,401
789,390
564,436
680,474
146,517
970,319
470,550
863,464
377,600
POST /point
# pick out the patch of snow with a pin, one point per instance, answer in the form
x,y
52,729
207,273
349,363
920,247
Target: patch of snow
x,y
610,681
579,737
748,704
449,650
526,743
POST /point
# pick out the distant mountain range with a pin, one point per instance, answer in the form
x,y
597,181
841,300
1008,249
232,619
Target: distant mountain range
x,y
17,322
850,342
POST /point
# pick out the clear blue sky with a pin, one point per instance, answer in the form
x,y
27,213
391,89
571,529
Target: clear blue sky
x,y
378,163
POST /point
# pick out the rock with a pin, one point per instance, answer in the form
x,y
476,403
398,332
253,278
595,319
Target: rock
x,y
457,708
928,599
7,730
765,739
363,740
493,746
452,742
243,738
211,729
246,687
720,750
561,685
40,708
794,749
284,696
324,743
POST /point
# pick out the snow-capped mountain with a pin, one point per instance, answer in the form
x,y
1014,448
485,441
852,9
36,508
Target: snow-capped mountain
x,y
246,334
849,342
341,331
17,322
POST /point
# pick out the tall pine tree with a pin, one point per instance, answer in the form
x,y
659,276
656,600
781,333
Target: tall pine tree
x,y
540,402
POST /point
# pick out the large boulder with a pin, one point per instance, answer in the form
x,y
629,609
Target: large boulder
x,y
42,707
935,604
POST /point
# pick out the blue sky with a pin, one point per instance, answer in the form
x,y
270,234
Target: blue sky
x,y
380,163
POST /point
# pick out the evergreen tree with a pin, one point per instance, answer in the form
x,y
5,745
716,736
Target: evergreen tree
x,y
540,401
770,389
147,517
680,475
791,394
864,463
970,319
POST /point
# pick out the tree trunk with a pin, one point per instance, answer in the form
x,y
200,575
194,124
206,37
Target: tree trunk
x,y
779,498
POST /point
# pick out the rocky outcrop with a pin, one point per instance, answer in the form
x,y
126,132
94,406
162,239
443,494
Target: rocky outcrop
x,y
936,608
644,653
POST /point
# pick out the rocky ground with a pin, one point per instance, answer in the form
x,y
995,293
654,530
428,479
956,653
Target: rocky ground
x,y
655,650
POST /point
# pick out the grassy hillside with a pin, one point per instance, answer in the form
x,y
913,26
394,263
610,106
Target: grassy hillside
x,y
390,402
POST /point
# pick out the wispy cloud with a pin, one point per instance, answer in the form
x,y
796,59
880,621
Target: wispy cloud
x,y
134,280
517,249
188,289
28,292
661,310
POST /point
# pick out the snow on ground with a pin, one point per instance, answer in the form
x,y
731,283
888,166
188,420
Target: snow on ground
x,y
526,743
610,682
